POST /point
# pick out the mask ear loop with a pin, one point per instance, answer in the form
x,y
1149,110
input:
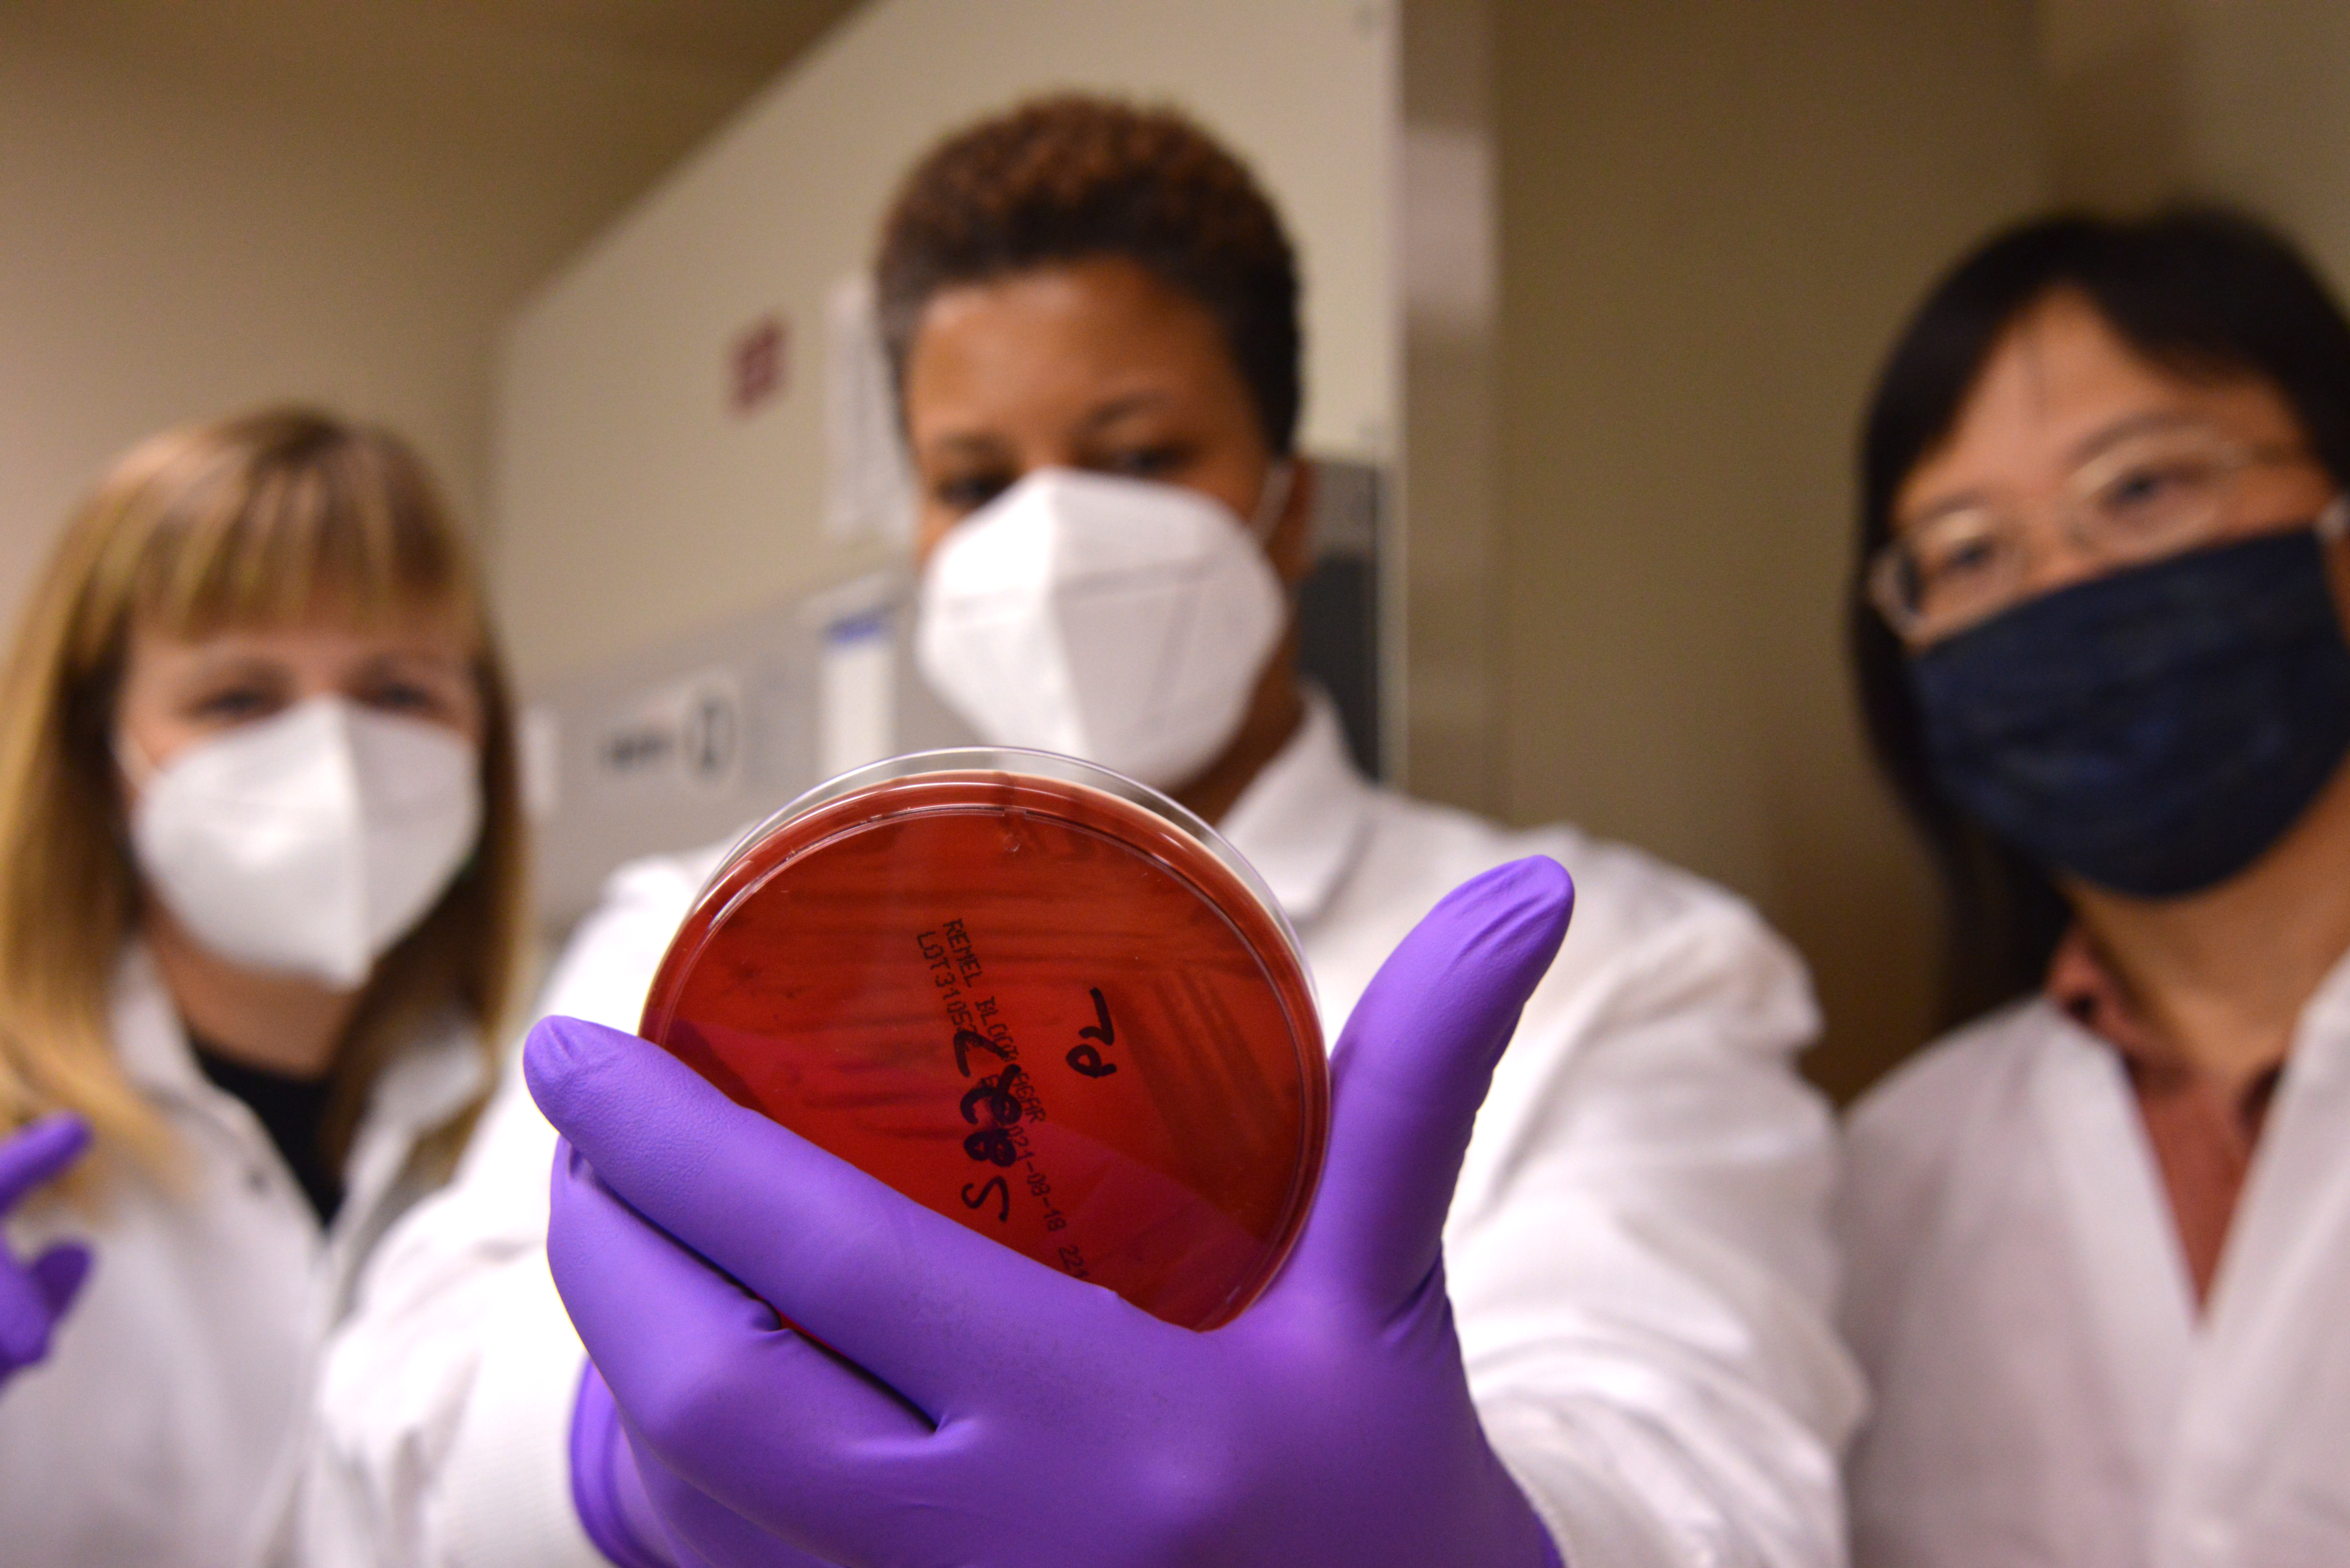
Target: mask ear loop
x,y
136,769
2333,523
1274,500
138,774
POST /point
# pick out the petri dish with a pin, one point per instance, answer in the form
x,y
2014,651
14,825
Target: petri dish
x,y
1031,994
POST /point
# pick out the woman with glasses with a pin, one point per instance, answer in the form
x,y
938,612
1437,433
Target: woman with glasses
x,y
2099,1238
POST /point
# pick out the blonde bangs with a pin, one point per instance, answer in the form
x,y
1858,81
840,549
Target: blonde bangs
x,y
289,515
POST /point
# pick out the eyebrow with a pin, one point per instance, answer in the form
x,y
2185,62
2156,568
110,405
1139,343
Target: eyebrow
x,y
2084,450
984,444
206,664
2121,429
430,657
236,663
968,443
1118,408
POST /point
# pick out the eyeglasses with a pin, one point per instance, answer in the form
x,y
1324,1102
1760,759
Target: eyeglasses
x,y
2159,492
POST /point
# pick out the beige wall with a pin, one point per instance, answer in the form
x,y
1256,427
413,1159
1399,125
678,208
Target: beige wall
x,y
1712,217
1450,273
208,205
2153,100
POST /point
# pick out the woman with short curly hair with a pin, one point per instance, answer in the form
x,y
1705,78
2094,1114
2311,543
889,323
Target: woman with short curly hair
x,y
1607,1340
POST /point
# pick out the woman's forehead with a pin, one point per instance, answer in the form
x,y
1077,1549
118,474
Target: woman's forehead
x,y
1060,336
326,621
2058,381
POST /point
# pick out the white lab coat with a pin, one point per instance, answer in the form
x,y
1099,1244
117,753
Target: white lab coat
x,y
1638,1250
167,1426
2046,1393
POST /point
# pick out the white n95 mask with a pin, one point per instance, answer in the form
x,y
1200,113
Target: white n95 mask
x,y
310,841
1115,620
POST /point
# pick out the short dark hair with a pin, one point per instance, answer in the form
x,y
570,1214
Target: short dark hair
x,y
2205,293
1071,177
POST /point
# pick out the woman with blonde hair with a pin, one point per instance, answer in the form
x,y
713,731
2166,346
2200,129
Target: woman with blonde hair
x,y
261,900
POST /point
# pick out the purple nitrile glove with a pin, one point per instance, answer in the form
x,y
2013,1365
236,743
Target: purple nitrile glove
x,y
608,1493
35,1295
969,1405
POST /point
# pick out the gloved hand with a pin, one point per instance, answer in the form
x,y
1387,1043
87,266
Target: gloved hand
x,y
34,1296
967,1406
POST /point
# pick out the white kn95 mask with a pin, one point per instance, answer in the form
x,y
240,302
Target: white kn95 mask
x,y
1119,621
310,841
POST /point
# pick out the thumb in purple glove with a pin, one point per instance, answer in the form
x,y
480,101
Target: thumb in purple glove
x,y
34,1296
969,1406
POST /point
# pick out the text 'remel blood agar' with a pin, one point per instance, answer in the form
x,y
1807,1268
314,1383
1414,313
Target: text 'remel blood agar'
x,y
1056,1009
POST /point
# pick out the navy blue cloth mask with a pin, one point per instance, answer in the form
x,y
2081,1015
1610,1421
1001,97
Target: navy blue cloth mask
x,y
2153,730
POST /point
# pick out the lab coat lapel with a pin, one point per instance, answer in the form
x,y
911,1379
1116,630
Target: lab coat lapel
x,y
2139,1298
2274,1358
158,1059
425,1083
148,1038
1301,821
421,1089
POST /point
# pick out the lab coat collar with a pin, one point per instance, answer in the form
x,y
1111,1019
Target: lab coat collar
x,y
433,1078
149,1039
423,1086
2321,1044
1301,821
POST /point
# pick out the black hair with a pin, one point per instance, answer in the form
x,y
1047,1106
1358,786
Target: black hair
x,y
1072,177
2207,294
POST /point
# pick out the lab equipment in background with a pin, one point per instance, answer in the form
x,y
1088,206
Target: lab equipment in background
x,y
1347,642
1035,997
683,744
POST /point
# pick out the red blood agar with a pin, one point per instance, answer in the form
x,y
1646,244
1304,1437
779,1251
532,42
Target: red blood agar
x,y
1031,995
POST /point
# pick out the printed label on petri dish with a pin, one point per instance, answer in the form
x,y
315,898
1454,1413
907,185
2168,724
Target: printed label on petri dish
x,y
1033,996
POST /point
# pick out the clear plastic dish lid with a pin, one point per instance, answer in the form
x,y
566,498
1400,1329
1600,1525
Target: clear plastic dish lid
x,y
1034,996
